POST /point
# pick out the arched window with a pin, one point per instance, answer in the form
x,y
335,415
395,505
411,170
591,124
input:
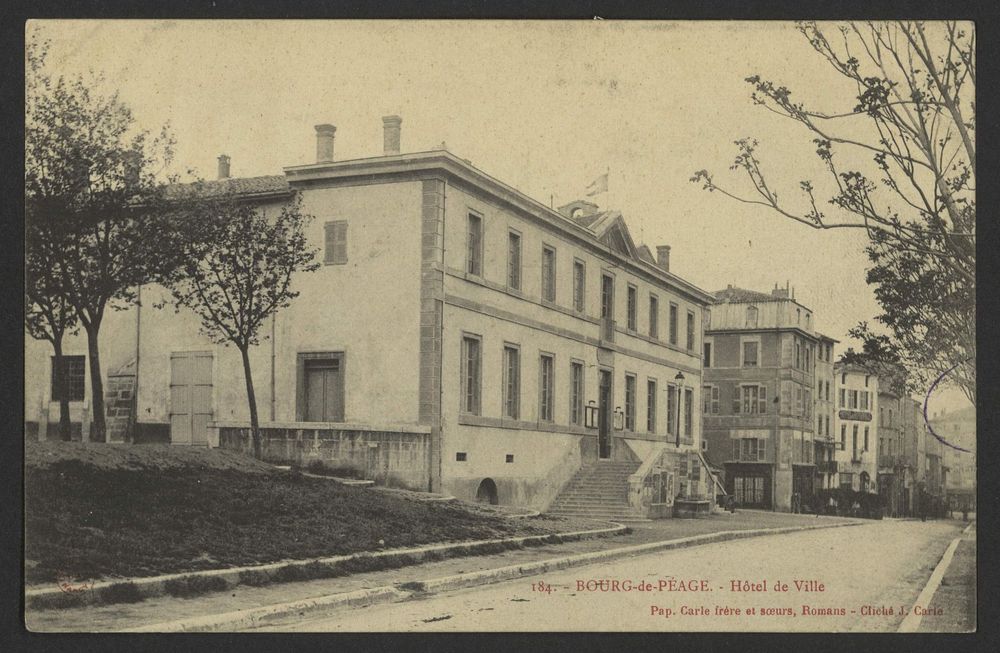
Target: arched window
x,y
751,316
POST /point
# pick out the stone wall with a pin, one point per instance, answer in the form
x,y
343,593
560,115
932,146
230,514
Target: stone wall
x,y
397,458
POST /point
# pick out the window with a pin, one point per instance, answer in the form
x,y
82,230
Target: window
x,y
843,436
798,401
576,393
514,260
690,331
511,381
548,274
629,402
864,400
688,412
673,324
750,354
651,405
474,262
607,296
866,438
461,456
654,316
633,308
827,419
74,369
710,399
890,417
808,402
579,285
798,316
846,480
843,402
336,242
751,400
546,386
707,358
752,316
471,374
706,318
854,441
852,397
751,449
798,355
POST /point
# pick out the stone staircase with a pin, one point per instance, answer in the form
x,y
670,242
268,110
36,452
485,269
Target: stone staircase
x,y
598,490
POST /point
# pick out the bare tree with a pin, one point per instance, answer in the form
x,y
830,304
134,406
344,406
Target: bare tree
x,y
48,313
93,178
237,271
913,117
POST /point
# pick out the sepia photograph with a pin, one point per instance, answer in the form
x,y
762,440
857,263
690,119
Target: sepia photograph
x,y
407,326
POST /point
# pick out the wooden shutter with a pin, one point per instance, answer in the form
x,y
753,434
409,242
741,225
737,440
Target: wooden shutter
x,y
762,449
737,390
715,400
336,242
762,399
736,449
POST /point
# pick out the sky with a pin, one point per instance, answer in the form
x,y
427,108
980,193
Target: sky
x,y
544,106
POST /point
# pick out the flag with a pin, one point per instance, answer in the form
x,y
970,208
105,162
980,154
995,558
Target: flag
x,y
599,185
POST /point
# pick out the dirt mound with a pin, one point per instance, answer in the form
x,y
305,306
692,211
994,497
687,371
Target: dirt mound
x,y
41,455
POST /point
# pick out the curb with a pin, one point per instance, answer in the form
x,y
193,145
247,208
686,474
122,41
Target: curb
x,y
260,616
138,589
389,594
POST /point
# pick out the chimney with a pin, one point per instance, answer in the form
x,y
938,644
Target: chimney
x,y
663,256
780,293
390,134
324,143
224,166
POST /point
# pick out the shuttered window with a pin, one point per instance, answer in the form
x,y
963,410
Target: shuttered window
x,y
336,242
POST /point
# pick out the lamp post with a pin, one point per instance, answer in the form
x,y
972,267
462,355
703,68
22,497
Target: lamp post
x,y
680,396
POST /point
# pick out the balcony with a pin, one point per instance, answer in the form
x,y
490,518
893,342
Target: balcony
x,y
607,331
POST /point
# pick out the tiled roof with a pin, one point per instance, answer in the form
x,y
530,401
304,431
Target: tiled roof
x,y
732,294
235,186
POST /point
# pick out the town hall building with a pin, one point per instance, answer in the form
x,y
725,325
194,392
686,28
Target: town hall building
x,y
460,337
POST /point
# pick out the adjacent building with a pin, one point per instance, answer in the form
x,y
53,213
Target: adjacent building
x,y
857,431
761,385
958,430
459,337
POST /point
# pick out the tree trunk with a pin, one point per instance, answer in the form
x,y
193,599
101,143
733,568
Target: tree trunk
x,y
59,384
252,400
97,430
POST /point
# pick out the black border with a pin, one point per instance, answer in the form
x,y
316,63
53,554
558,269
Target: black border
x,y
12,17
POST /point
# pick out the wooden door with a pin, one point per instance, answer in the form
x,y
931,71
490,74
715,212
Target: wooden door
x,y
191,395
324,390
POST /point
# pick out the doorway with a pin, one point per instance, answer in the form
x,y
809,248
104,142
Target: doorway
x,y
190,397
604,415
487,492
321,387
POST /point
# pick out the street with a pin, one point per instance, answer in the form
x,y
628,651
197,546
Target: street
x,y
856,578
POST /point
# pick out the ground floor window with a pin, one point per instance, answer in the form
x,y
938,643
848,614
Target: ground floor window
x,y
846,480
74,368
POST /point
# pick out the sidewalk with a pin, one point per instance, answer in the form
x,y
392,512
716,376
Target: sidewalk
x,y
162,609
956,597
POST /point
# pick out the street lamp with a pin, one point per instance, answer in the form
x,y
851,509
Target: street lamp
x,y
680,395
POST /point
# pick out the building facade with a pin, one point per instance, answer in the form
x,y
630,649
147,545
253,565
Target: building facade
x,y
856,428
826,415
958,430
761,377
459,337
